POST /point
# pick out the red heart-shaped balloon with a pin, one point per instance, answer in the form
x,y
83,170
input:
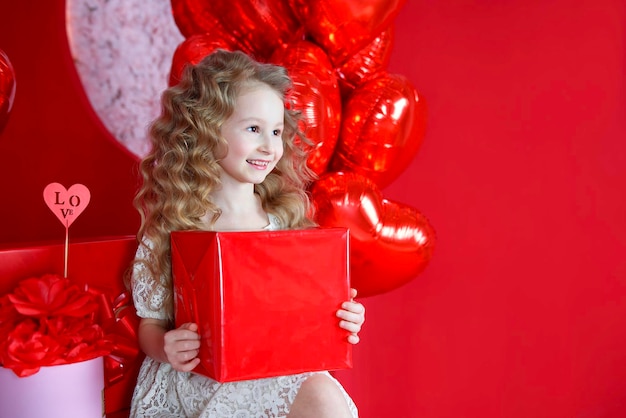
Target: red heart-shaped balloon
x,y
259,26
366,63
382,128
390,243
193,49
195,17
316,94
344,27
7,88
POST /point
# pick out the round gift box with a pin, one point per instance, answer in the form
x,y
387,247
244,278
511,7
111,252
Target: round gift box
x,y
69,390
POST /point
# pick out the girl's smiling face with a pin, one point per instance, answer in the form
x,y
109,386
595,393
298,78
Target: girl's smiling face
x,y
254,135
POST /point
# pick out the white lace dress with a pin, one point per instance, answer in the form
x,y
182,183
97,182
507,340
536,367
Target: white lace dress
x,y
164,392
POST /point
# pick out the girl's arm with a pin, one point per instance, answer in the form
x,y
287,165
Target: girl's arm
x,y
352,315
179,347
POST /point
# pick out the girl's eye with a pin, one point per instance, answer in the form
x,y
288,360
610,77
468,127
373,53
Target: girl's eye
x,y
276,132
254,129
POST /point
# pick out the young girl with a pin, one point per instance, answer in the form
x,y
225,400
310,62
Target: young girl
x,y
226,155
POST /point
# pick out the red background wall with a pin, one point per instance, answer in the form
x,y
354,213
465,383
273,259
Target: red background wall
x,y
522,310
53,135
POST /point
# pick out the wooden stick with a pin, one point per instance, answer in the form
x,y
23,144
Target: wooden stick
x,y
67,241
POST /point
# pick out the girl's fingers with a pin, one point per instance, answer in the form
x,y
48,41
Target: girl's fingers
x,y
176,344
185,360
353,339
181,348
355,307
352,312
189,326
350,316
186,366
182,334
190,355
350,326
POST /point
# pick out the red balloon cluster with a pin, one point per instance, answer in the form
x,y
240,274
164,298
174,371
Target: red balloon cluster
x,y
390,243
366,124
7,88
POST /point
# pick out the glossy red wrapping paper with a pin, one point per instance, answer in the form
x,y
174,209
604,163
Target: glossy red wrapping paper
x,y
264,301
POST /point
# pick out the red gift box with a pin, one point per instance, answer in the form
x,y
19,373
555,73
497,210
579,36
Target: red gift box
x,y
265,301
101,264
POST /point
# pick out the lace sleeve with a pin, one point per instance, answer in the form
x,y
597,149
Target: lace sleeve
x,y
275,223
148,293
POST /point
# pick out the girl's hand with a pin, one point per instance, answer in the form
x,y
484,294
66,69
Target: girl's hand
x,y
181,346
352,315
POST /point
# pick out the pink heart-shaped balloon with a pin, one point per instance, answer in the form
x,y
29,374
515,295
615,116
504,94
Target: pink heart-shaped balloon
x,y
316,94
382,128
7,88
390,243
344,27
68,204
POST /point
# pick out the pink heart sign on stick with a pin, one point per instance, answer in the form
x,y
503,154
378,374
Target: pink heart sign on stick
x,y
68,204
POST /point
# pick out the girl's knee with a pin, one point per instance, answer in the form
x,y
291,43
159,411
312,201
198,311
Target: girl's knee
x,y
322,386
320,396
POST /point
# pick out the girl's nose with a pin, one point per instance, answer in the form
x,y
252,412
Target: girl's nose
x,y
266,143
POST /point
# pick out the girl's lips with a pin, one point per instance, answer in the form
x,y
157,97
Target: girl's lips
x,y
260,164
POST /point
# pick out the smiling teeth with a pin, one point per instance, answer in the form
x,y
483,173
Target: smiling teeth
x,y
259,163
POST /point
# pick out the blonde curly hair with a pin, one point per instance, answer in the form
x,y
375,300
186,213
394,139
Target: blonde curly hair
x,y
182,169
